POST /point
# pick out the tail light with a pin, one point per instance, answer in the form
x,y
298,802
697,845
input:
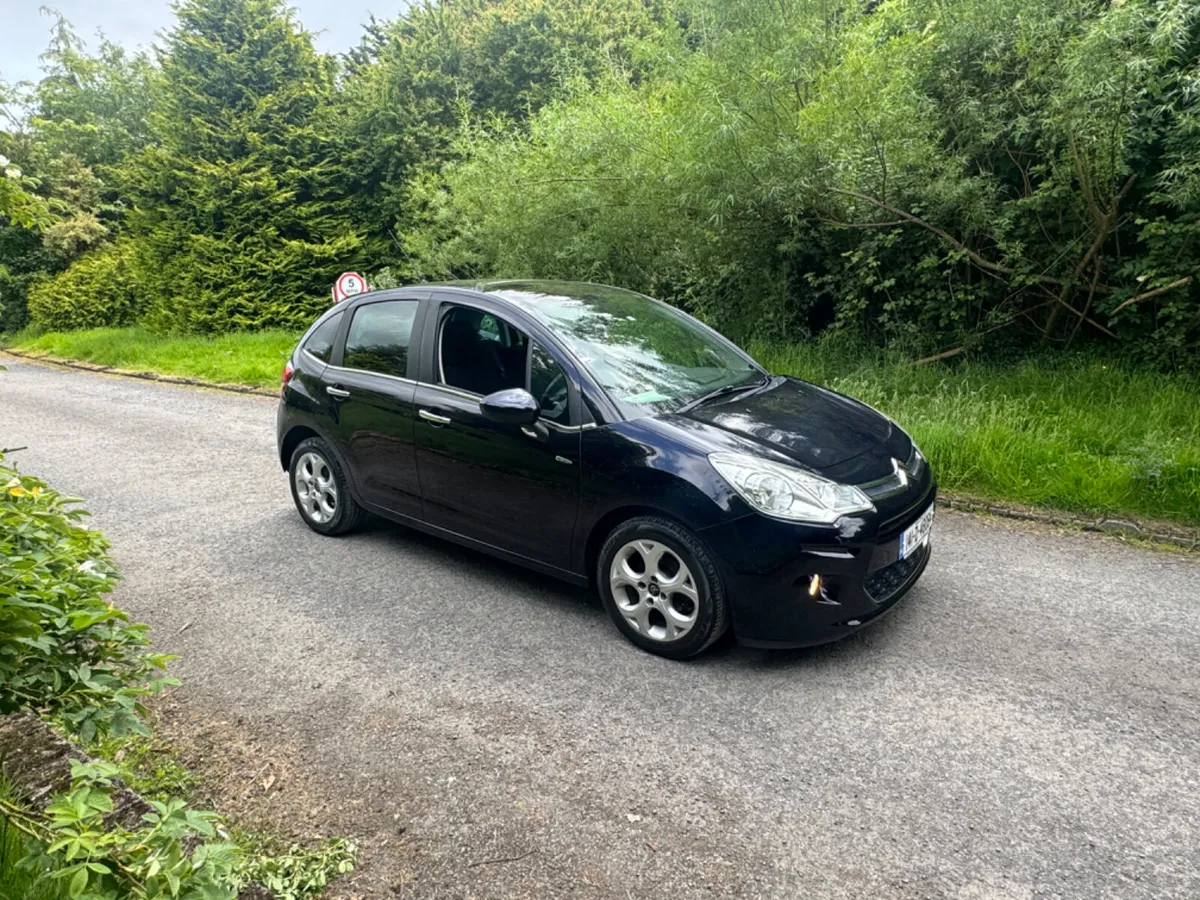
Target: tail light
x,y
288,370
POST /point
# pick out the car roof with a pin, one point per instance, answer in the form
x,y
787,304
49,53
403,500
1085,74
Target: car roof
x,y
534,286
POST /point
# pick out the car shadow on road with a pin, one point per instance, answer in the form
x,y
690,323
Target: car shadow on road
x,y
476,563
583,604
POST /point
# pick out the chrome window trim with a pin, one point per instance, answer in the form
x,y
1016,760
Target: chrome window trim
x,y
399,378
466,395
314,356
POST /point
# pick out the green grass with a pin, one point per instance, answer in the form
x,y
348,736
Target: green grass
x,y
148,765
1076,433
21,884
254,359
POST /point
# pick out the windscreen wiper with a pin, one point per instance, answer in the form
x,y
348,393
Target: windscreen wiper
x,y
722,391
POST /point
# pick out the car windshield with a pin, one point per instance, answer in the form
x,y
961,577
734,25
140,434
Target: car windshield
x,y
649,357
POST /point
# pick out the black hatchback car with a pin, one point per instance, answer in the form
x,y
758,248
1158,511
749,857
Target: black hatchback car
x,y
606,438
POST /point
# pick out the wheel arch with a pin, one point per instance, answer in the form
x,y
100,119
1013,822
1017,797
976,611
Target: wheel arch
x,y
607,523
292,440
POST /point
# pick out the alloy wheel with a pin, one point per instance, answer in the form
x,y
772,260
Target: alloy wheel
x,y
654,590
316,488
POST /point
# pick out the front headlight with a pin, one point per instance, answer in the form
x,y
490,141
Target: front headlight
x,y
787,493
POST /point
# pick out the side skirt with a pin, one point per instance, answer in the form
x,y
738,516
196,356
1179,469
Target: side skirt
x,y
461,539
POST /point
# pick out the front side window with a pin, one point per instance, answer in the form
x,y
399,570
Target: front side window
x,y
379,337
480,352
648,357
320,342
548,384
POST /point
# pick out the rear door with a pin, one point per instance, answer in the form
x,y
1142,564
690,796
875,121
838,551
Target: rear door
x,y
515,488
371,384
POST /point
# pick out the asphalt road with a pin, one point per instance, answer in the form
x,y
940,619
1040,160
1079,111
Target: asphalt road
x,y
1026,724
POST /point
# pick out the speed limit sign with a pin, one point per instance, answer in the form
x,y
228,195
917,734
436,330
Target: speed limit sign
x,y
347,285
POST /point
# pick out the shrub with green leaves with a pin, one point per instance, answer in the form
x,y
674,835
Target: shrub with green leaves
x,y
64,648
923,172
171,854
100,289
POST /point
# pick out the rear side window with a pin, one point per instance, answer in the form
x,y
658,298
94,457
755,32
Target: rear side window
x,y
320,342
379,337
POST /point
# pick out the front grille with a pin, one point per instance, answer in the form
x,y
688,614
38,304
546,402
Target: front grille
x,y
892,527
883,584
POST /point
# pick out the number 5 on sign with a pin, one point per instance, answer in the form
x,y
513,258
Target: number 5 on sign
x,y
347,285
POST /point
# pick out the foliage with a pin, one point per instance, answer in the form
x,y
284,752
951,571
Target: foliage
x,y
63,647
95,108
171,854
237,221
984,173
916,171
412,81
19,882
26,261
145,763
103,288
294,873
18,204
70,129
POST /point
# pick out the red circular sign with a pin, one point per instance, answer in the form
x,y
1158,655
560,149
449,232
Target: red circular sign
x,y
347,285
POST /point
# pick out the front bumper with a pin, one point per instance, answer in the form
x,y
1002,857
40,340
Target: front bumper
x,y
767,567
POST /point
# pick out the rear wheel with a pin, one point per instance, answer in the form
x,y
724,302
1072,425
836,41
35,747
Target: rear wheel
x,y
320,490
661,588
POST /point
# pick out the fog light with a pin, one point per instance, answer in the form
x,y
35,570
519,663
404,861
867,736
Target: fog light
x,y
814,585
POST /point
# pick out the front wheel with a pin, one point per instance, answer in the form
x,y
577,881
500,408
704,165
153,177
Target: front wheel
x,y
661,588
320,490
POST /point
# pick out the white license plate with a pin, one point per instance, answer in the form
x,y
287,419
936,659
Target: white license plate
x,y
916,535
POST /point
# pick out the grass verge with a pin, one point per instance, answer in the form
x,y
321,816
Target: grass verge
x,y
21,883
1077,433
243,358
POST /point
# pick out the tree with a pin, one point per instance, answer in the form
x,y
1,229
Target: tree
x,y
237,218
412,82
936,173
93,107
21,257
69,130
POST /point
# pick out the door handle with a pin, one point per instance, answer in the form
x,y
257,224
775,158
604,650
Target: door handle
x,y
433,417
336,392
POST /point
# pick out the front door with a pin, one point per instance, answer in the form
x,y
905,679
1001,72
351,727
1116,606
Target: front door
x,y
515,488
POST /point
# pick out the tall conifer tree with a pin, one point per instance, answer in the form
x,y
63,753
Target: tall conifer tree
x,y
241,226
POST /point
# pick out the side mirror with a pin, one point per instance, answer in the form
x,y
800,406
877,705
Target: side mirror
x,y
511,406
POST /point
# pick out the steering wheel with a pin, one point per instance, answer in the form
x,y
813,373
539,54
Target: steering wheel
x,y
547,394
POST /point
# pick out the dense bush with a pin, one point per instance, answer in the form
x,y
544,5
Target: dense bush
x,y
101,289
64,648
923,171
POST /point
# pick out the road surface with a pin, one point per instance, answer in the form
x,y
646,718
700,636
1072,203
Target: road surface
x,y
1026,724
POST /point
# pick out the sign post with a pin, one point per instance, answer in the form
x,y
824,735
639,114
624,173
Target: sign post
x,y
347,285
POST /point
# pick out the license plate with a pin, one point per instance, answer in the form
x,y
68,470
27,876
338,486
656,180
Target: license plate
x,y
916,535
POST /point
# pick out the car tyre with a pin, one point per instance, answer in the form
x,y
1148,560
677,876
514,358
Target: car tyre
x,y
321,491
661,588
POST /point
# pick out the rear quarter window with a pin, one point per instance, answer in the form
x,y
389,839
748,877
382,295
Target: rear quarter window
x,y
320,342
